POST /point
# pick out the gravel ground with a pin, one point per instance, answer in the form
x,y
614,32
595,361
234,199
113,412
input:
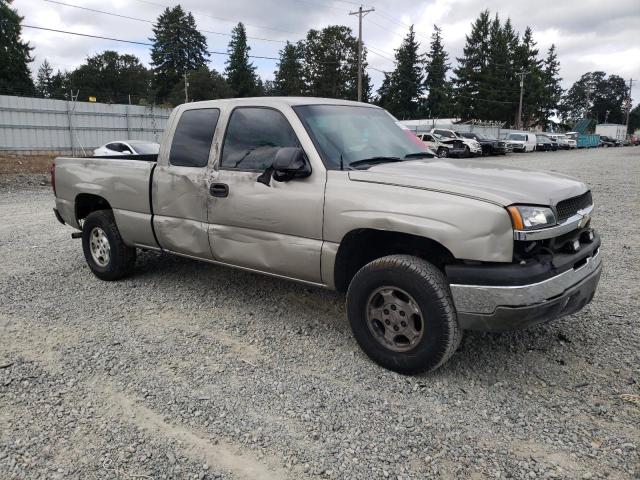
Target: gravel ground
x,y
188,370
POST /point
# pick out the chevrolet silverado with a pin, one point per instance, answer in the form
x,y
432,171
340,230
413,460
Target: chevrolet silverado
x,y
338,194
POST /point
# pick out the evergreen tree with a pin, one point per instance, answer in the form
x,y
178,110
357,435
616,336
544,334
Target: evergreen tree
x,y
552,91
204,84
15,55
288,78
526,60
470,75
240,73
405,87
111,78
43,81
499,74
178,47
269,89
330,64
438,102
60,86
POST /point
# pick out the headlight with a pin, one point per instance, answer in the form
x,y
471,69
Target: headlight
x,y
524,217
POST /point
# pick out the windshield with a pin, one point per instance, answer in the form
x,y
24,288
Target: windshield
x,y
356,133
145,148
516,136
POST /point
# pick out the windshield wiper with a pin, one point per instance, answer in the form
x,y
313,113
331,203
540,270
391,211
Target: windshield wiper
x,y
374,160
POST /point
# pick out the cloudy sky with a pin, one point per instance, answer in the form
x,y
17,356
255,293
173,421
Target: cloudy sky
x,y
590,35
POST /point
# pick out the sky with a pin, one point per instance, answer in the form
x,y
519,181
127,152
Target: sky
x,y
589,35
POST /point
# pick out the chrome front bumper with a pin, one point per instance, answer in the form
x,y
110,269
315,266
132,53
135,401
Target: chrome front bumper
x,y
496,308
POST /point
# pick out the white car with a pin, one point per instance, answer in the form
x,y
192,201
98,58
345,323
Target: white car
x,y
127,147
434,142
472,147
561,139
522,141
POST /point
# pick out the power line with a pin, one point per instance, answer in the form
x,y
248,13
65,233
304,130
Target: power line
x,y
376,51
222,18
212,52
151,22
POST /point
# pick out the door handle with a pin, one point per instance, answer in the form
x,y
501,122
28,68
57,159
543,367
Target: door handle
x,y
219,190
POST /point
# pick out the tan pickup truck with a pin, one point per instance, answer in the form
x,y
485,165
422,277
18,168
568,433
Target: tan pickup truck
x,y
337,194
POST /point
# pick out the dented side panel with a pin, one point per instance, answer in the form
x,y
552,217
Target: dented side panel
x,y
180,196
276,228
124,184
470,229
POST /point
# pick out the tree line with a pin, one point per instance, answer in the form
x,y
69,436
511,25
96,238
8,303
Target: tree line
x,y
484,85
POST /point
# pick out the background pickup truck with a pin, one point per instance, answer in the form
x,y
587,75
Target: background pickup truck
x,y
337,194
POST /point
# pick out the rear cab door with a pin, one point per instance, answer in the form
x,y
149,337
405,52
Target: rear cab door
x,y
180,181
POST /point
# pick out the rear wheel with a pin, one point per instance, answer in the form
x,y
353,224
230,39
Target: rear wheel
x,y
402,314
106,254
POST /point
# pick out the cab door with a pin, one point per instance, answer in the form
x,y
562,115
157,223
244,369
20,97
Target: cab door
x,y
180,187
274,228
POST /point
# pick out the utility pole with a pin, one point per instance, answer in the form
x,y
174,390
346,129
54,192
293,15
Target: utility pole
x,y
361,13
629,104
606,116
521,74
186,89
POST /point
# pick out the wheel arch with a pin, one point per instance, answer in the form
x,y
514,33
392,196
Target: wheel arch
x,y
87,203
363,245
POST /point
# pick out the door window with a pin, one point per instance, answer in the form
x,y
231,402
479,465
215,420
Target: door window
x,y
253,137
193,136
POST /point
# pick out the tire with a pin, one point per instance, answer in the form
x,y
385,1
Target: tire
x,y
411,279
467,152
105,252
443,152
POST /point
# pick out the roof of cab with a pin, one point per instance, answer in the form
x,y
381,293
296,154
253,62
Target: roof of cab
x,y
276,101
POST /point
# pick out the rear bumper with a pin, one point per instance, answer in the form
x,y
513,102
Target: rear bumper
x,y
511,307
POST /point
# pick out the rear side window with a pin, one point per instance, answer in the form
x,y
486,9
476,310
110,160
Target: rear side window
x,y
253,137
193,136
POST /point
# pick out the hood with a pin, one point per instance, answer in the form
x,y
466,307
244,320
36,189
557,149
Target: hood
x,y
475,178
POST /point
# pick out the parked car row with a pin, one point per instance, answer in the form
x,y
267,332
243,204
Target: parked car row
x,y
452,143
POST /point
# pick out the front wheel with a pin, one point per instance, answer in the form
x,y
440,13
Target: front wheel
x,y
402,314
443,152
106,254
467,152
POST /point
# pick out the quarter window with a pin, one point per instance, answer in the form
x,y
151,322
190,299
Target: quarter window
x,y
253,137
193,136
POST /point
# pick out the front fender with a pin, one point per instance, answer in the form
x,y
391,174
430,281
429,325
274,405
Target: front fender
x,y
470,228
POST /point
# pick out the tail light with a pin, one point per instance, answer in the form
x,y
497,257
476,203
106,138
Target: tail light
x,y
52,171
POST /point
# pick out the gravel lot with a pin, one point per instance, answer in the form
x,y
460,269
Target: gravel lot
x,y
189,370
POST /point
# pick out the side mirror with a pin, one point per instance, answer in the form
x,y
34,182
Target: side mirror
x,y
290,163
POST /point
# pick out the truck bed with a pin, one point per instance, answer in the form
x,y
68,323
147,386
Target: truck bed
x,y
123,181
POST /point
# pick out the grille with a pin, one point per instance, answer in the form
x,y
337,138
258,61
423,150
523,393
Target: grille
x,y
569,207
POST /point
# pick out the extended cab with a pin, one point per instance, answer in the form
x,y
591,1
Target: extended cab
x,y
336,194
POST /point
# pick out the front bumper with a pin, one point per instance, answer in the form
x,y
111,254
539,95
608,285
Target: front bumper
x,y
510,307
